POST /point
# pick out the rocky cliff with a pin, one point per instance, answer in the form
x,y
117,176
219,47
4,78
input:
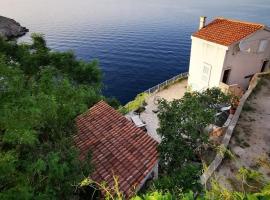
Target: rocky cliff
x,y
9,28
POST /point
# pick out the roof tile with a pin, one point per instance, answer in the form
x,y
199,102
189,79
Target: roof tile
x,y
118,147
226,32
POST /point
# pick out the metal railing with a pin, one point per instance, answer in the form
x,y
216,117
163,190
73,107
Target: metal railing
x,y
137,102
166,83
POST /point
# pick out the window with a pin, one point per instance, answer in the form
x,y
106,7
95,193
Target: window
x,y
226,76
262,46
245,46
206,70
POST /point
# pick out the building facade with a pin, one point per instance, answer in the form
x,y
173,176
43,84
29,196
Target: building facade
x,y
227,51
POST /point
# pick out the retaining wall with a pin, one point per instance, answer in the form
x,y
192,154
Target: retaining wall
x,y
218,159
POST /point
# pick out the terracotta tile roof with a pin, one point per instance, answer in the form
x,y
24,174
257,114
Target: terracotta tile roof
x,y
118,147
226,32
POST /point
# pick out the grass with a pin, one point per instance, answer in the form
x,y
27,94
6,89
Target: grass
x,y
173,82
166,87
260,84
245,144
247,107
251,119
181,79
246,130
237,137
255,166
135,104
234,183
252,182
264,162
239,140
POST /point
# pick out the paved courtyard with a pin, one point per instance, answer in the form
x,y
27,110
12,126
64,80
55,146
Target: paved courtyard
x,y
175,91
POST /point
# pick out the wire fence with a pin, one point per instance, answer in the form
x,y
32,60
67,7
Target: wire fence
x,y
166,83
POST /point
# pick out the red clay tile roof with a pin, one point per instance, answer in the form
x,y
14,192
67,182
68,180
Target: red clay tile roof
x,y
118,147
226,32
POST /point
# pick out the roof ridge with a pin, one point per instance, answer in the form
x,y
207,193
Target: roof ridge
x,y
92,107
225,31
240,21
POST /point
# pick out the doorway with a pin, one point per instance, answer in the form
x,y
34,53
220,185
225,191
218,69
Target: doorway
x,y
226,76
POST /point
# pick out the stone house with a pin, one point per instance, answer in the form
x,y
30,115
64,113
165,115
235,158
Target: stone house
x,y
227,51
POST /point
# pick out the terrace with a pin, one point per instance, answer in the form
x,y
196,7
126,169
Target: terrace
x,y
149,116
171,89
145,111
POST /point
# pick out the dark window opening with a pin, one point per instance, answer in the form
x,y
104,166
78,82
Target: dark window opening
x,y
264,65
226,75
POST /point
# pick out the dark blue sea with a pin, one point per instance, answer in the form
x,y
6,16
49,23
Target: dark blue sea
x,y
139,43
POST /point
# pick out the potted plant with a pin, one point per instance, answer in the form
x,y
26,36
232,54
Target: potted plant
x,y
234,104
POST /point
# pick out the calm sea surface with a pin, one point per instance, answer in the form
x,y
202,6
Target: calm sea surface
x,y
139,43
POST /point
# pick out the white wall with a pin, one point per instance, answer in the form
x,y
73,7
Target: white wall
x,y
243,63
211,55
219,58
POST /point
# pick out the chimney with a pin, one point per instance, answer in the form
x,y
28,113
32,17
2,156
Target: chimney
x,y
202,22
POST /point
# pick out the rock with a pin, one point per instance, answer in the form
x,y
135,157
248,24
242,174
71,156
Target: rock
x,y
9,28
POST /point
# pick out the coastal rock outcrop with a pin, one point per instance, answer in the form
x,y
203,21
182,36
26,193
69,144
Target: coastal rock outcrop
x,y
9,28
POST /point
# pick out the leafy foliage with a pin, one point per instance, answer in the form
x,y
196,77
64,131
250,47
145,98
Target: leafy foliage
x,y
135,104
41,92
216,192
180,180
182,124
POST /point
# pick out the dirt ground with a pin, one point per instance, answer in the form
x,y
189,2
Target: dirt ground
x,y
250,142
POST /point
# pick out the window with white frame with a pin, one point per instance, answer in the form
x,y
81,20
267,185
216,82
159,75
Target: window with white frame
x,y
245,46
205,72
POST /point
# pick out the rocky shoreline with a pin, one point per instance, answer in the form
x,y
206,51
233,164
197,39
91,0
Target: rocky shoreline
x,y
9,28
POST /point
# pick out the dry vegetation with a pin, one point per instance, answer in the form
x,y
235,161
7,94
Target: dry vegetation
x,y
250,140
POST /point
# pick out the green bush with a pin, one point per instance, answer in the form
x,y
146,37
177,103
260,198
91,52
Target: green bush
x,y
41,93
135,104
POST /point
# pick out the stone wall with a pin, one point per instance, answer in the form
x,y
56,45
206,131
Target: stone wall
x,y
234,89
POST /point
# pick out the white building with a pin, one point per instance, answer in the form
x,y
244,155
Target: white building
x,y
227,51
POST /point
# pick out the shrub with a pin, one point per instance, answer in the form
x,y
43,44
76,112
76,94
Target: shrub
x,y
135,104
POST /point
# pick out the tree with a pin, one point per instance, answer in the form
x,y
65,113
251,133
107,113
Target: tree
x,y
182,124
41,93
